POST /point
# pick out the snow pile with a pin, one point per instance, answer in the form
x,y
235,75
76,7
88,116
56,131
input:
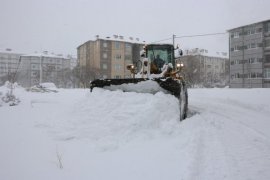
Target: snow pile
x,y
44,87
122,117
75,134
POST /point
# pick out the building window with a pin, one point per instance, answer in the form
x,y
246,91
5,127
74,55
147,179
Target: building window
x,y
267,27
251,60
251,31
104,76
267,43
104,66
127,57
236,48
117,45
254,60
34,73
243,61
252,46
258,30
117,67
267,58
105,55
238,76
117,57
235,34
254,75
33,66
117,77
105,44
128,46
267,73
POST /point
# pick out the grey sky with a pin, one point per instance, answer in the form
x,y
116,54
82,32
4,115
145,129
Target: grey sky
x,y
61,25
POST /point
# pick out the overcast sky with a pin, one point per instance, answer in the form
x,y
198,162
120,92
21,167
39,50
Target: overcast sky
x,y
60,26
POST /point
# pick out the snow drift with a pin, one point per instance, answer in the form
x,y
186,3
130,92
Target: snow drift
x,y
75,134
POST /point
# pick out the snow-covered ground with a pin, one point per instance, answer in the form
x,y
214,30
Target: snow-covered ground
x,y
75,134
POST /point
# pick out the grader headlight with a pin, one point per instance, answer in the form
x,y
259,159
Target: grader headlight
x,y
179,66
130,67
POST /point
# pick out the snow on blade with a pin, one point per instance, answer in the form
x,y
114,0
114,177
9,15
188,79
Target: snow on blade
x,y
148,86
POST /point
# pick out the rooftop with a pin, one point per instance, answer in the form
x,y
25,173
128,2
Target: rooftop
x,y
9,51
119,38
46,54
249,24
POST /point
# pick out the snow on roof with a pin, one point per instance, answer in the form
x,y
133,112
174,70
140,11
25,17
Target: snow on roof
x,y
117,38
121,38
36,54
204,52
9,51
46,54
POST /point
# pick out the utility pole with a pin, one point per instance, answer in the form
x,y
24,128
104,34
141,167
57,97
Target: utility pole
x,y
173,37
40,70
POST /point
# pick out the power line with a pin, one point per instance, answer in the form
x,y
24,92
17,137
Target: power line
x,y
162,40
197,35
189,36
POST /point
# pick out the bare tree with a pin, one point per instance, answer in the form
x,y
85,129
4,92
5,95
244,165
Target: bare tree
x,y
84,75
192,70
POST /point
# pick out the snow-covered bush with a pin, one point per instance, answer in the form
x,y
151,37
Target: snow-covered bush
x,y
9,96
11,99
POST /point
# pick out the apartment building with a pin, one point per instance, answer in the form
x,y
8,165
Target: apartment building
x,y
43,67
250,55
108,57
9,61
206,69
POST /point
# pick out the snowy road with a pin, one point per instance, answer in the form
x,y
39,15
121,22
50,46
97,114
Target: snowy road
x,y
234,138
115,135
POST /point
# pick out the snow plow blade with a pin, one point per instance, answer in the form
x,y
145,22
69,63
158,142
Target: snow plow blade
x,y
175,87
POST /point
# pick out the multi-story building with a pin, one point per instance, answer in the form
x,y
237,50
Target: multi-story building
x,y
9,61
73,61
204,68
43,67
108,58
250,55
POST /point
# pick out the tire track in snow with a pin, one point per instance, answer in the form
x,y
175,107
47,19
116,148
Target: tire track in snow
x,y
244,146
209,154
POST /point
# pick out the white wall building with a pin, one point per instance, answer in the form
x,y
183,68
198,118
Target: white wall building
x,y
43,67
206,68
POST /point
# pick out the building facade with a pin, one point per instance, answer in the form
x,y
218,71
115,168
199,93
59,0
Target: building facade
x,y
39,68
108,58
204,69
250,56
8,65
